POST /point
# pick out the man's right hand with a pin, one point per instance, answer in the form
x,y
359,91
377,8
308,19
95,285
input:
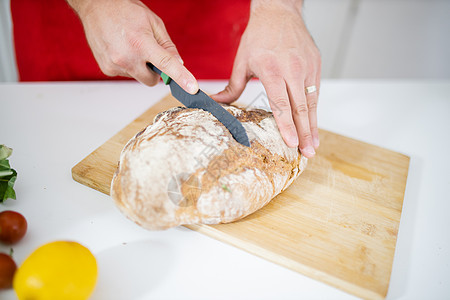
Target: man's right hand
x,y
124,35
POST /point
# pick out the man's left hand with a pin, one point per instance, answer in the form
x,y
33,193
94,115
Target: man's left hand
x,y
277,48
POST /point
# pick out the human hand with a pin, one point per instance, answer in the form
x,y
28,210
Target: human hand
x,y
277,48
124,35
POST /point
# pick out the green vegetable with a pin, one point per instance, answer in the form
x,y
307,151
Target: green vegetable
x,y
226,188
8,176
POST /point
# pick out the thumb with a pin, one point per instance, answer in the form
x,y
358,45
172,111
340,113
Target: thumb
x,y
172,66
164,55
235,87
163,39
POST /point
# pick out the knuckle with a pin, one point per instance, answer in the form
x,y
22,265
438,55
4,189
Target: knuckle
x,y
287,126
300,108
312,105
135,43
306,136
299,67
167,44
120,60
268,64
271,71
300,61
158,20
297,61
165,61
229,89
279,104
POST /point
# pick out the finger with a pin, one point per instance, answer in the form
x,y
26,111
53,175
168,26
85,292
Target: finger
x,y
318,76
300,115
109,68
236,85
170,65
279,102
317,81
138,71
144,75
312,100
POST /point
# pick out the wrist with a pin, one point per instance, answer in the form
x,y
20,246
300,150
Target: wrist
x,y
293,5
78,5
81,6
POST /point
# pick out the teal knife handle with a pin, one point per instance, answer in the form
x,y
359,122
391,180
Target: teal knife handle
x,y
166,79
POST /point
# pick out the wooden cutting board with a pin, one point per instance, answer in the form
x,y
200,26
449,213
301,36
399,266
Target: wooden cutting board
x,y
336,223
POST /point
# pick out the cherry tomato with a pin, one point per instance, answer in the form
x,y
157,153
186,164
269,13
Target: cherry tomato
x,y
13,227
7,269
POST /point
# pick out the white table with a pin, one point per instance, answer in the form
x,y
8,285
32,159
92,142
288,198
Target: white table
x,y
52,126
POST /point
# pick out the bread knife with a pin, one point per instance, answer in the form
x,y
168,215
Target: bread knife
x,y
202,101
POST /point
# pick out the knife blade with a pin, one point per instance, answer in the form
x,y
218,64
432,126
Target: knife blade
x,y
202,101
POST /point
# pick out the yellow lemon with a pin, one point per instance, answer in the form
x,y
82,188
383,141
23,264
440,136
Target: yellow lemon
x,y
58,270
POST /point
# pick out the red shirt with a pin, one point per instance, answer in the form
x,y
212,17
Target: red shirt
x,y
50,43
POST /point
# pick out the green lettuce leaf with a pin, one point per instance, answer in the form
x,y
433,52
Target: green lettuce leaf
x,y
5,152
7,186
8,176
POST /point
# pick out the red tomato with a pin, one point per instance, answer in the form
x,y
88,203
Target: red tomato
x,y
13,227
7,269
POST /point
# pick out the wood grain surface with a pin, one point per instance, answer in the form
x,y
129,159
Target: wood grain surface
x,y
337,222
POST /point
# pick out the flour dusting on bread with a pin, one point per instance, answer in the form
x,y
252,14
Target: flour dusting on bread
x,y
186,168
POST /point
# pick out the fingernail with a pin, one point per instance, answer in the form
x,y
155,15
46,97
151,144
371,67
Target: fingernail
x,y
192,87
309,151
316,142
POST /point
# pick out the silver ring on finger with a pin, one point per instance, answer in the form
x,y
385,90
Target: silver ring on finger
x,y
310,89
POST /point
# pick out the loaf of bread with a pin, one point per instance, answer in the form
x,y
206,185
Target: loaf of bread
x,y
186,168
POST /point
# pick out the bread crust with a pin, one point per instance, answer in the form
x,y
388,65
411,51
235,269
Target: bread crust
x,y
186,168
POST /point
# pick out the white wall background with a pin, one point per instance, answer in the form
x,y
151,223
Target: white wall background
x,y
8,70
357,38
